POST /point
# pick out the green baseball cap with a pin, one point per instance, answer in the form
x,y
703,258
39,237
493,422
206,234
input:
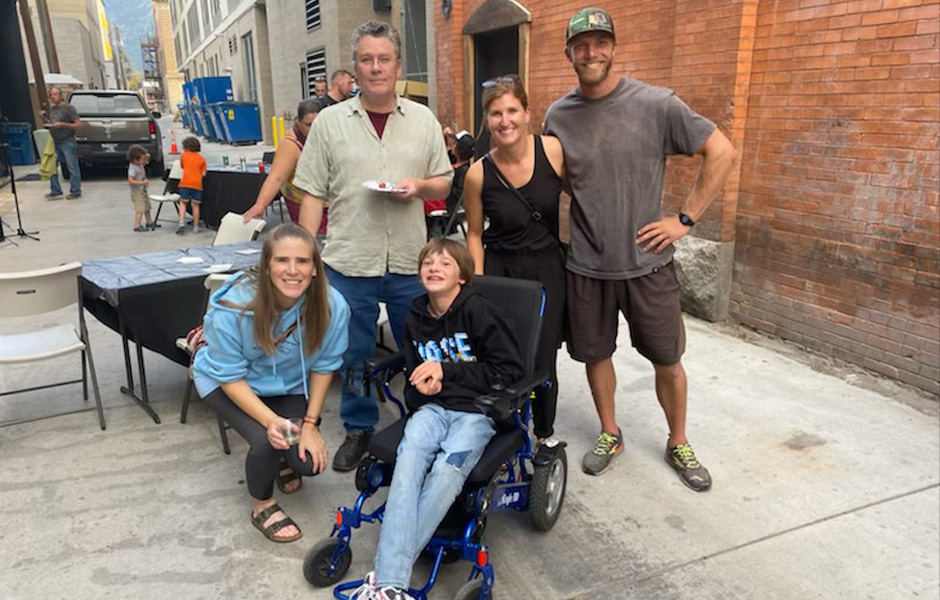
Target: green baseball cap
x,y
589,19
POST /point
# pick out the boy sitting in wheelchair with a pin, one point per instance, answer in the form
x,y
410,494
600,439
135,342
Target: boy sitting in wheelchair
x,y
458,346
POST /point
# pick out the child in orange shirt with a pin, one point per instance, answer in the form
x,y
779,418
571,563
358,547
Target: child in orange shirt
x,y
190,186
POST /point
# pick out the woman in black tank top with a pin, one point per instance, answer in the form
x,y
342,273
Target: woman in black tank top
x,y
522,238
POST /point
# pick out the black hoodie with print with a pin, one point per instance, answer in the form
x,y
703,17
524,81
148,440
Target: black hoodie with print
x,y
474,343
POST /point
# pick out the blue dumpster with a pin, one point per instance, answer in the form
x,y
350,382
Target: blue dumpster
x,y
18,136
210,90
197,120
242,122
216,117
184,118
207,121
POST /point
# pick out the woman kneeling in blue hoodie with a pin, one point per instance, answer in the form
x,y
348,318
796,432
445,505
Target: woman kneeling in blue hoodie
x,y
267,330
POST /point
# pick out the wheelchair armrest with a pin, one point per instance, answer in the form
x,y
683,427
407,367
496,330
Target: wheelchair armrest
x,y
499,404
392,363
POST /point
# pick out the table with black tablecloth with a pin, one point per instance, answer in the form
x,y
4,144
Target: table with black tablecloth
x,y
225,190
228,190
153,299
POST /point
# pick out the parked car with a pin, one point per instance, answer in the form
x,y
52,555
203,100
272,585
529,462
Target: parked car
x,y
113,121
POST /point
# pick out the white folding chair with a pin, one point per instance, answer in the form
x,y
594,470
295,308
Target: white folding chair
x,y
233,230
33,293
212,283
176,173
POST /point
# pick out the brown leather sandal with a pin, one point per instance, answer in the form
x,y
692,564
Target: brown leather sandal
x,y
269,531
285,475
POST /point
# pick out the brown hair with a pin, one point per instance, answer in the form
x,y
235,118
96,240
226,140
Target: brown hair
x,y
314,314
192,144
136,152
499,87
453,249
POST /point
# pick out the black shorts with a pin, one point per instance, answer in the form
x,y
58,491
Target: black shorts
x,y
650,303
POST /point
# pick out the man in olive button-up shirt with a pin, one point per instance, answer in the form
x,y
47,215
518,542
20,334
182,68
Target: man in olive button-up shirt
x,y
374,237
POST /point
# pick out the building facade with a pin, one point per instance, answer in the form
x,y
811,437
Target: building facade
x,y
172,79
313,40
226,38
78,42
826,232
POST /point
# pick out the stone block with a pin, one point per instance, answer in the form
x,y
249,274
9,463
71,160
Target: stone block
x,y
704,268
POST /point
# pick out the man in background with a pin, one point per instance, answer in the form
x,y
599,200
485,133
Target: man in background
x,y
341,87
62,123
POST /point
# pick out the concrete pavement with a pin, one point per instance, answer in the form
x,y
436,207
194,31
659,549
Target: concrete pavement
x,y
822,489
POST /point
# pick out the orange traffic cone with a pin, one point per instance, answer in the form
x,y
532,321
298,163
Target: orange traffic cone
x,y
173,148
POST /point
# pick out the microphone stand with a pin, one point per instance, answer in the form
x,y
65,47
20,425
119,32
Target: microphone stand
x,y
19,217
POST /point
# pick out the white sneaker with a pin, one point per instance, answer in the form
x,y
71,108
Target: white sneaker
x,y
196,229
367,590
390,593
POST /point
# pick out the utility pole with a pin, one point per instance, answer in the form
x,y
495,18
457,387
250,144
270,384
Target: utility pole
x,y
48,38
34,56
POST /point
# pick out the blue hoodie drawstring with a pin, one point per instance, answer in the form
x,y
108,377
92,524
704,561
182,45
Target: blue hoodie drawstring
x,y
303,365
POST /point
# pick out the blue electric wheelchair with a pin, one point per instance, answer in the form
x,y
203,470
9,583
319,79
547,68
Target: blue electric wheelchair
x,y
509,475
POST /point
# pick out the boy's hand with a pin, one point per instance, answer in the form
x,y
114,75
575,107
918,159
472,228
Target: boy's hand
x,y
428,387
427,376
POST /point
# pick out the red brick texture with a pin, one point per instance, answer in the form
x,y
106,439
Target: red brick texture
x,y
835,109
837,224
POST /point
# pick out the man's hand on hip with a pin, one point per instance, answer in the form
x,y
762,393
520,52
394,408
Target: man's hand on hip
x,y
657,236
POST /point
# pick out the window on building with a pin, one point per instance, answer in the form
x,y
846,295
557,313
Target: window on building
x,y
415,34
192,23
303,80
313,14
315,69
251,82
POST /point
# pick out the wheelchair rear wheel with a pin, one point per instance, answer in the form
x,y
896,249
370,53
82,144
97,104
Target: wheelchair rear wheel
x,y
471,590
548,491
318,567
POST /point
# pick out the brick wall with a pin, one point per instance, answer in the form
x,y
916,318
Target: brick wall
x,y
832,209
837,223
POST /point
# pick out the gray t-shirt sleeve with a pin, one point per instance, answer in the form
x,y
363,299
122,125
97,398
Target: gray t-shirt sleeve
x,y
686,130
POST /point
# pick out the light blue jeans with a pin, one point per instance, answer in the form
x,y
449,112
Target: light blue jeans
x,y
67,154
451,443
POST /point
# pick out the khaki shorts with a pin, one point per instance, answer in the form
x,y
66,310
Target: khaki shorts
x,y
651,305
141,201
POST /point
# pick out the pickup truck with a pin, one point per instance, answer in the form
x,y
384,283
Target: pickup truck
x,y
113,121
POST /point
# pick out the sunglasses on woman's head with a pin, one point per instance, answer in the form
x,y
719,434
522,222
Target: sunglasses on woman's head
x,y
503,79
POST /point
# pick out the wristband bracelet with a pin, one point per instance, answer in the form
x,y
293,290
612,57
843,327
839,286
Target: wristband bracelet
x,y
315,421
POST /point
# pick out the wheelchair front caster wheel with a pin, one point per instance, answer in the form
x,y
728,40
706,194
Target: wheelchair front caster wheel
x,y
548,491
319,567
471,591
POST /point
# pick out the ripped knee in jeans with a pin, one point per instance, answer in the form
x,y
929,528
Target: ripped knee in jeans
x,y
456,459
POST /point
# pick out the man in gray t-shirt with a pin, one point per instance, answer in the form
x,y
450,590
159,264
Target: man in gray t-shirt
x,y
617,134
62,123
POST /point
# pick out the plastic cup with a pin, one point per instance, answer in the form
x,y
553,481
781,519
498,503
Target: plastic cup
x,y
291,430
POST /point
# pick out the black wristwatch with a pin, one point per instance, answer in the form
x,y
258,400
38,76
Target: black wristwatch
x,y
686,219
